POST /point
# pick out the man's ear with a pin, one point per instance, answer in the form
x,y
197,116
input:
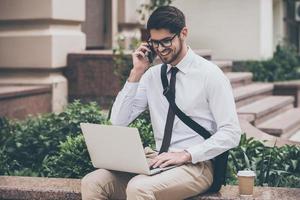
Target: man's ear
x,y
184,33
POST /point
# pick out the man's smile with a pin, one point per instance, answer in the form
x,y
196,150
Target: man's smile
x,y
165,52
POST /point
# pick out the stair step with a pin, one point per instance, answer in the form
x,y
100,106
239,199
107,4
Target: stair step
x,y
283,124
225,65
267,107
249,93
238,79
267,139
296,136
205,53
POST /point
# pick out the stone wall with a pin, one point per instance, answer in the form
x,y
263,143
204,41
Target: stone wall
x,y
91,77
19,101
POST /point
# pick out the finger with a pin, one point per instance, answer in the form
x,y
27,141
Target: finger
x,y
161,161
139,54
144,44
144,48
167,163
163,156
153,161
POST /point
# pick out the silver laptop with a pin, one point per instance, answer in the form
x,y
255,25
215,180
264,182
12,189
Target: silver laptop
x,y
117,148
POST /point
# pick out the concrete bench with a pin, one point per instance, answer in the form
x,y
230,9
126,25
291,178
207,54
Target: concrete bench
x,y
33,188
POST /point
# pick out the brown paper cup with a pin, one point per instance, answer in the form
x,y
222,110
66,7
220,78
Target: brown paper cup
x,y
246,182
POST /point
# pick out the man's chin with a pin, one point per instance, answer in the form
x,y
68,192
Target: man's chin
x,y
168,60
165,60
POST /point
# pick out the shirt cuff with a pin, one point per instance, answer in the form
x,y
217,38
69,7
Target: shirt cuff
x,y
194,151
130,88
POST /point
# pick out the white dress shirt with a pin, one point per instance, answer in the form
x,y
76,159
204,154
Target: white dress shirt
x,y
203,93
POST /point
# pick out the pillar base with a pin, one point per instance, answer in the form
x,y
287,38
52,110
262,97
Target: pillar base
x,y
57,82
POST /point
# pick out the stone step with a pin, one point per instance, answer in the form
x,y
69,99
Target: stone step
x,y
267,139
205,53
225,65
265,108
252,92
35,188
295,137
238,79
284,124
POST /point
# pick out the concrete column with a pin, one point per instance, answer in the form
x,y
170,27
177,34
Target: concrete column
x,y
35,38
279,24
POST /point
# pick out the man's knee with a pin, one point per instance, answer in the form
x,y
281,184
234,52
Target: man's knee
x,y
93,184
98,177
137,189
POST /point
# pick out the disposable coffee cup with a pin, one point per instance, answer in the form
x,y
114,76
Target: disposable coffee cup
x,y
246,182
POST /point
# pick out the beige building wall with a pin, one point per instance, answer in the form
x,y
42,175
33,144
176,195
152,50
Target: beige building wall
x,y
35,38
232,29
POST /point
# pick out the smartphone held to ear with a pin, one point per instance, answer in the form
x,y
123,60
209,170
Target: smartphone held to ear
x,y
151,55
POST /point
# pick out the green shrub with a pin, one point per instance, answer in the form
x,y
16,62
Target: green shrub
x,y
274,166
123,61
122,64
285,65
71,161
52,145
143,124
25,144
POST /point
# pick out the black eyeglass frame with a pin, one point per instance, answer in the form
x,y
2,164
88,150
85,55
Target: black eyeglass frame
x,y
161,42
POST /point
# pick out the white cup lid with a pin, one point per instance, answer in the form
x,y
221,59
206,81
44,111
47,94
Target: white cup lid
x,y
246,173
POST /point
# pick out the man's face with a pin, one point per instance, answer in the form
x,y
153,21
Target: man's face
x,y
167,45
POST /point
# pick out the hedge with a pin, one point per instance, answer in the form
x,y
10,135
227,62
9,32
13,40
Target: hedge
x,y
52,145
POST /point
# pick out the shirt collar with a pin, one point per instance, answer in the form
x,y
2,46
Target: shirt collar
x,y
183,65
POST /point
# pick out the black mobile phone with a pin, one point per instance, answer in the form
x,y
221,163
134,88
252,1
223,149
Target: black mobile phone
x,y
151,55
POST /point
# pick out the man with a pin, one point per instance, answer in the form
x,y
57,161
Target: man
x,y
202,92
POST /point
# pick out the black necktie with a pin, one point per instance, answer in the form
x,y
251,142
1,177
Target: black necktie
x,y
171,115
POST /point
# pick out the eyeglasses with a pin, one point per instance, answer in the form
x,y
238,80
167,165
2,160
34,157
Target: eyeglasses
x,y
167,42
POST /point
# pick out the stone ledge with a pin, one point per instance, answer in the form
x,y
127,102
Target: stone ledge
x,y
288,84
288,88
17,102
17,188
13,91
13,187
206,53
260,193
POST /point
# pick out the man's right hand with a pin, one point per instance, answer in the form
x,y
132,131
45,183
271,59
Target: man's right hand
x,y
140,63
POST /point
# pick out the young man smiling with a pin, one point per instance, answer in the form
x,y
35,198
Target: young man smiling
x,y
202,92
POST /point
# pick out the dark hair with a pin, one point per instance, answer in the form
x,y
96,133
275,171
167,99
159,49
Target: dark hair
x,y
166,17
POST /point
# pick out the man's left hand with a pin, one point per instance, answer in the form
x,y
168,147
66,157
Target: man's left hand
x,y
171,158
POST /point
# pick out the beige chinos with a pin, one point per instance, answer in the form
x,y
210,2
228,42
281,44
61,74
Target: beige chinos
x,y
177,183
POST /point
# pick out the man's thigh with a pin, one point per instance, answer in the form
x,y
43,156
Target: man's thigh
x,y
177,183
105,184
